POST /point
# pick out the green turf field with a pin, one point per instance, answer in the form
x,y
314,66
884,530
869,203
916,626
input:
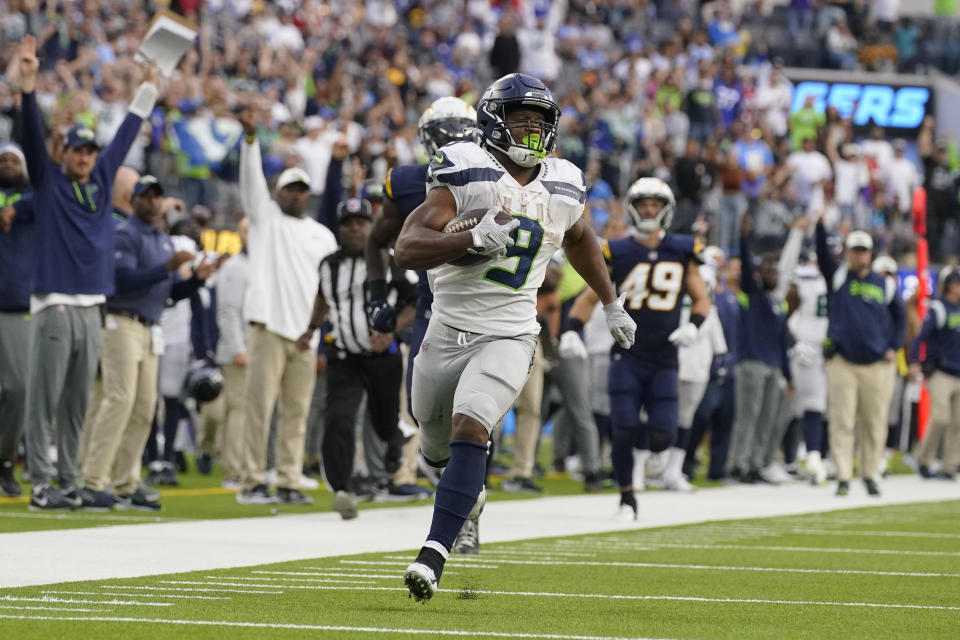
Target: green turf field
x,y
881,572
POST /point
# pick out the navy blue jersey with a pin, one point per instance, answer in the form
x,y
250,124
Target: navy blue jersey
x,y
406,187
654,281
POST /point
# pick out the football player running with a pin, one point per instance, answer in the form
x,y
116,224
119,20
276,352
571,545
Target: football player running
x,y
654,270
480,340
446,120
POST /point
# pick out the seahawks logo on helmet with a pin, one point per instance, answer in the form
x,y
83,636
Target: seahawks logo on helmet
x,y
509,93
447,120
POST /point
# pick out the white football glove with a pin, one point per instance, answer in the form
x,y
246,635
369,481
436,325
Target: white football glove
x,y
619,323
571,346
491,238
807,354
685,335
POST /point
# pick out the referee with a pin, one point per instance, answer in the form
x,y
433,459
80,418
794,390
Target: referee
x,y
360,359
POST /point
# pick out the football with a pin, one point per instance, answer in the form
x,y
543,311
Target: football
x,y
465,222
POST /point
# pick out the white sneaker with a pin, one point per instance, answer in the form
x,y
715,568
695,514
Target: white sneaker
x,y
309,483
231,484
421,581
345,504
270,477
625,513
816,470
774,474
677,483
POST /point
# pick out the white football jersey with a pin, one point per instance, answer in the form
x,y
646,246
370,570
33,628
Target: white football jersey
x,y
500,297
809,322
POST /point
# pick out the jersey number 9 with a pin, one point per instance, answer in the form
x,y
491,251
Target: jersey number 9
x,y
656,285
527,240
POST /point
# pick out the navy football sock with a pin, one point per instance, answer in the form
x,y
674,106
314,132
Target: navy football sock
x,y
622,456
813,430
458,490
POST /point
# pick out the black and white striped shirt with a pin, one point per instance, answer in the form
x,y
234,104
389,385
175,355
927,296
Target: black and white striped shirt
x,y
343,287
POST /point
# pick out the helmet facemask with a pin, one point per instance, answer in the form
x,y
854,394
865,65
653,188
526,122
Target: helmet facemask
x,y
646,226
438,133
533,147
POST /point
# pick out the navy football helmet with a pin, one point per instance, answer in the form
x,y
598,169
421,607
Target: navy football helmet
x,y
511,92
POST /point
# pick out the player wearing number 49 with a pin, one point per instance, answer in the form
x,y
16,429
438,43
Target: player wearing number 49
x,y
653,269
479,345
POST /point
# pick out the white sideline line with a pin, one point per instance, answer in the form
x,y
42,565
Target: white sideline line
x,y
121,586
713,567
897,552
241,584
73,516
385,574
13,606
540,549
841,532
453,561
406,563
300,579
618,596
133,595
325,627
129,603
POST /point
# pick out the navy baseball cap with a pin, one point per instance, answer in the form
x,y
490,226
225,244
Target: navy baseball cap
x,y
80,136
354,208
146,183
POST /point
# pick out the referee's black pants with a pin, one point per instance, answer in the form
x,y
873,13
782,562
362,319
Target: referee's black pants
x,y
348,376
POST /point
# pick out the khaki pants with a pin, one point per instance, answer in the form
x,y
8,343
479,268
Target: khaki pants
x,y
279,374
944,422
122,424
858,405
234,398
527,410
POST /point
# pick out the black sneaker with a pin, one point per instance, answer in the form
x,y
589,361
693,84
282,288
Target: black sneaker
x,y
92,500
137,501
925,472
8,485
204,464
517,484
46,497
257,495
594,481
293,497
403,493
311,468
843,488
73,497
150,494
162,474
872,487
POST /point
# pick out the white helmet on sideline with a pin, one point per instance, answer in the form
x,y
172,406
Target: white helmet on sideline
x,y
651,188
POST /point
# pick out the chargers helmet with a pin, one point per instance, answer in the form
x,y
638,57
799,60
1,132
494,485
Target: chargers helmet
x,y
651,188
515,91
447,120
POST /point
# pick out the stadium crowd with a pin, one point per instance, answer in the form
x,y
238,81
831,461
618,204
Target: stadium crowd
x,y
189,279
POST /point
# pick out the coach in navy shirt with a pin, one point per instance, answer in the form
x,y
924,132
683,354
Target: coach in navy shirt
x,y
146,276
74,274
941,333
866,326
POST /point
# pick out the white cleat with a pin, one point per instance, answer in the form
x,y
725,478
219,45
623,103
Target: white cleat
x,y
625,513
421,581
816,470
677,483
775,474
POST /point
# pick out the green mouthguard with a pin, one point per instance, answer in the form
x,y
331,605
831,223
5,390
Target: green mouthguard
x,y
534,143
